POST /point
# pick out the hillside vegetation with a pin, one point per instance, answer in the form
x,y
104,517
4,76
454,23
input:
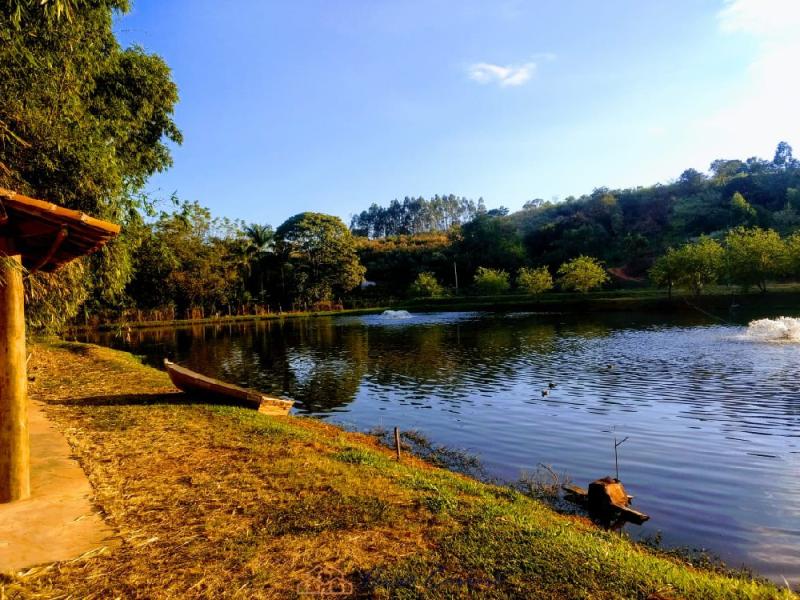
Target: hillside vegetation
x,y
626,230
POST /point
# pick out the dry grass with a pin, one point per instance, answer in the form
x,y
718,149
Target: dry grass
x,y
223,502
207,502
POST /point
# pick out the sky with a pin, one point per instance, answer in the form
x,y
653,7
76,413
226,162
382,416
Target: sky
x,y
319,105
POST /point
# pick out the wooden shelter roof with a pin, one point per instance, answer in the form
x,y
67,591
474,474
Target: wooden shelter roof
x,y
48,236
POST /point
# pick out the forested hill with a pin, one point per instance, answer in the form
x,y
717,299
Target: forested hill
x,y
627,228
631,227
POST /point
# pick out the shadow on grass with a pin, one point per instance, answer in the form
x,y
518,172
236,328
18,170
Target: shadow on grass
x,y
162,398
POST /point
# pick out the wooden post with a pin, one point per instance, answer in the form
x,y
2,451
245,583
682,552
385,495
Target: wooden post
x,y
397,442
14,440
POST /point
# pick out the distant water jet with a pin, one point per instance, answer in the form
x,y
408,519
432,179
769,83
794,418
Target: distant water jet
x,y
396,314
782,329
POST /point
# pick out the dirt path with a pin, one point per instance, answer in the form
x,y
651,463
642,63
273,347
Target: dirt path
x,y
58,521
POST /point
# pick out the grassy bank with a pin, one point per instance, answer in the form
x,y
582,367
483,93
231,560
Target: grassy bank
x,y
224,502
719,299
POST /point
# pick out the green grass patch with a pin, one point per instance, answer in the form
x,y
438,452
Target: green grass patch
x,y
360,456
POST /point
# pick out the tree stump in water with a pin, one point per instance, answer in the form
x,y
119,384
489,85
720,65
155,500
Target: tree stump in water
x,y
608,497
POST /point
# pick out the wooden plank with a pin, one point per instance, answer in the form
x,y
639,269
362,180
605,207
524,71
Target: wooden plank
x,y
57,241
66,215
630,514
574,490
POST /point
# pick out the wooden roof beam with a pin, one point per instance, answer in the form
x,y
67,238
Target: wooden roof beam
x,y
57,241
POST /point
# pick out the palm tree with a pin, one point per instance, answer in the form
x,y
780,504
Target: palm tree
x,y
261,240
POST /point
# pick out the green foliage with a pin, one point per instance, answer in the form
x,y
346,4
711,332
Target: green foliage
x,y
490,241
259,260
320,256
415,215
83,123
188,259
699,264
426,286
534,281
393,262
51,296
491,281
754,256
666,270
793,255
793,198
581,274
742,212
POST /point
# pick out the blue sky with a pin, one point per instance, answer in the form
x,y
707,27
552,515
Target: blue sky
x,y
325,105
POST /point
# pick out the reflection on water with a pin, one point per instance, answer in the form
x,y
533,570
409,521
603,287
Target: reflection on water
x,y
712,415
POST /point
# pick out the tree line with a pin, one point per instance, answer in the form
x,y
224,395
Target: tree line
x,y
187,259
416,215
627,230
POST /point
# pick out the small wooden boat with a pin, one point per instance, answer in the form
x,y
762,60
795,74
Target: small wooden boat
x,y
197,384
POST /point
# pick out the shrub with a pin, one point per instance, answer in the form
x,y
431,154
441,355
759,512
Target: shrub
x,y
491,281
754,256
535,281
699,264
426,286
666,270
581,274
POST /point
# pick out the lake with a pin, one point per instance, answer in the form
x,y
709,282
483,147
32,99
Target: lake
x,y
712,415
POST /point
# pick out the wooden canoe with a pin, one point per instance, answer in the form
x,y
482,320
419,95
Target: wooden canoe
x,y
197,384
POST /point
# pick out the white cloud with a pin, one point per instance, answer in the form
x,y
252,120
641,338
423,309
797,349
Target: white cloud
x,y
760,17
505,76
764,110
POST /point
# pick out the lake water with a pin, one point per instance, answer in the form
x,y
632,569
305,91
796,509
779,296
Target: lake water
x,y
712,415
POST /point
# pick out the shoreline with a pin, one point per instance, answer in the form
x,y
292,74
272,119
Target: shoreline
x,y
217,501
781,298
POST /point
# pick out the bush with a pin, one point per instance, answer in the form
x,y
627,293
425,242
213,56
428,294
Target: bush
x,y
699,264
581,274
534,281
491,281
666,270
426,286
754,256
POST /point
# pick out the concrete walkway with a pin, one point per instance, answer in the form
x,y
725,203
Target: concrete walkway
x,y
57,522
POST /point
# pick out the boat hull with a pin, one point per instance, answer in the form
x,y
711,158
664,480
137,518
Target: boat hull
x,y
197,384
